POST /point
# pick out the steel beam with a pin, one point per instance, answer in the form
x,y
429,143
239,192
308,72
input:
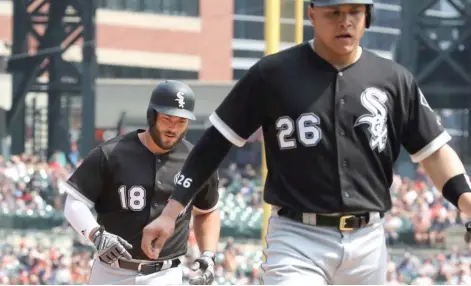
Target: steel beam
x,y
42,68
436,50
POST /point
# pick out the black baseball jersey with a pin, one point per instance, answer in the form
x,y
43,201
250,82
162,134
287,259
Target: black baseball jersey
x,y
331,136
129,186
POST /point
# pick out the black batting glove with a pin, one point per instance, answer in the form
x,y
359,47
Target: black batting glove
x,y
205,265
110,247
467,236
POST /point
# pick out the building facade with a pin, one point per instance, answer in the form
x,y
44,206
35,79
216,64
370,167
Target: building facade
x,y
201,41
248,41
154,38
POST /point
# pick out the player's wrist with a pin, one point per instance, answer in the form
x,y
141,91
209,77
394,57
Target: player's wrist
x,y
173,209
94,232
210,254
454,189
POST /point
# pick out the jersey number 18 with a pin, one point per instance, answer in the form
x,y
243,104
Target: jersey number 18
x,y
133,199
308,131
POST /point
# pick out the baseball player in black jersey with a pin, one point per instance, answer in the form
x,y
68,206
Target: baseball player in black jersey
x,y
128,180
334,117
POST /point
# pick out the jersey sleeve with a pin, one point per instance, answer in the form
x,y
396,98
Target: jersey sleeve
x,y
87,180
423,133
207,199
241,112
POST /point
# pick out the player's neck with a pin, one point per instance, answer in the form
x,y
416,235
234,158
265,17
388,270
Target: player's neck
x,y
146,140
339,62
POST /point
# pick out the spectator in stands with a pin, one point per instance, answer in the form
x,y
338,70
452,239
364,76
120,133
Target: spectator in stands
x,y
421,227
392,224
422,279
439,217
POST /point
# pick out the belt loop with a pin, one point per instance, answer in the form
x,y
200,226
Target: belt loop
x,y
166,264
309,218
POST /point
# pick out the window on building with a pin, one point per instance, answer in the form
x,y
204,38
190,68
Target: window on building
x,y
249,7
249,30
238,74
387,18
390,2
168,7
247,54
114,71
379,41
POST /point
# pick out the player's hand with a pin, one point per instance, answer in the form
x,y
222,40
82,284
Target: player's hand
x,y
467,236
205,265
156,234
110,247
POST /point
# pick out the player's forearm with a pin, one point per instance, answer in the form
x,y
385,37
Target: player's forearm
x,y
79,216
207,228
443,165
200,165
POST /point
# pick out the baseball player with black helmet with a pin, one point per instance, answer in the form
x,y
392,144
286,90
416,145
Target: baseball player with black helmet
x,y
334,117
128,180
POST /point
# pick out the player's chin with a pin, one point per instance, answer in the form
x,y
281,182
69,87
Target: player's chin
x,y
169,142
344,48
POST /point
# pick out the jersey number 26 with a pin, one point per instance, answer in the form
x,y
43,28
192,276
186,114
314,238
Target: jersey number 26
x,y
133,199
306,126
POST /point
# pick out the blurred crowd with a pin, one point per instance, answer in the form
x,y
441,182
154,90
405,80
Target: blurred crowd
x,y
419,207
30,185
22,265
451,268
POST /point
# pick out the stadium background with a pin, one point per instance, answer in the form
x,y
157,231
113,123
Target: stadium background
x,y
210,44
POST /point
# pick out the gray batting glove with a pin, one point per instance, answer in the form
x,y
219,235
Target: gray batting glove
x,y
205,265
110,247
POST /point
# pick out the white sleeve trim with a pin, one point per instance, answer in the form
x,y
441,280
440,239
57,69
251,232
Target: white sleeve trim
x,y
201,211
79,216
226,131
67,188
431,147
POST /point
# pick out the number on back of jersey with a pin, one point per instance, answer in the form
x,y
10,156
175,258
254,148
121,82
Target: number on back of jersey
x,y
307,130
133,199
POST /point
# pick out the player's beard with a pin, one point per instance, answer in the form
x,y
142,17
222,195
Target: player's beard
x,y
157,136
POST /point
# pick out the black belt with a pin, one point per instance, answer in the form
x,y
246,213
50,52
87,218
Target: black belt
x,y
147,268
347,222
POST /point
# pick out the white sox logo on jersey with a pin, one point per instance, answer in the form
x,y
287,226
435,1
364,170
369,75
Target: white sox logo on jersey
x,y
180,99
374,100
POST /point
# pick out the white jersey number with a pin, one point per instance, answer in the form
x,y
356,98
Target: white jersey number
x,y
308,131
180,179
134,198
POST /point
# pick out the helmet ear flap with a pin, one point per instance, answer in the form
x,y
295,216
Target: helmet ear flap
x,y
151,117
369,15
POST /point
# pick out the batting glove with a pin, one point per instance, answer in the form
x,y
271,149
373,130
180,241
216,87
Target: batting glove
x,y
467,236
205,265
110,247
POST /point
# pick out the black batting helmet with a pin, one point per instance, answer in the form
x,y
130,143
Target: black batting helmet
x,y
173,98
369,4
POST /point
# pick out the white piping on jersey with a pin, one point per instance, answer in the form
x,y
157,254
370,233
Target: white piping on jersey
x,y
67,188
431,147
226,131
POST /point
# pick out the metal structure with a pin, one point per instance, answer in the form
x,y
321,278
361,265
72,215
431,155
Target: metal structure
x,y
43,30
436,48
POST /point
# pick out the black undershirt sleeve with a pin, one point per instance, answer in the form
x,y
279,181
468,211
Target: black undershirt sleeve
x,y
202,162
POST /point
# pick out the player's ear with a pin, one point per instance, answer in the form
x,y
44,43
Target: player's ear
x,y
310,15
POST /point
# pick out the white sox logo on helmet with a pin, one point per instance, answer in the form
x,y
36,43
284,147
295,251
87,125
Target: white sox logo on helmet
x,y
180,99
